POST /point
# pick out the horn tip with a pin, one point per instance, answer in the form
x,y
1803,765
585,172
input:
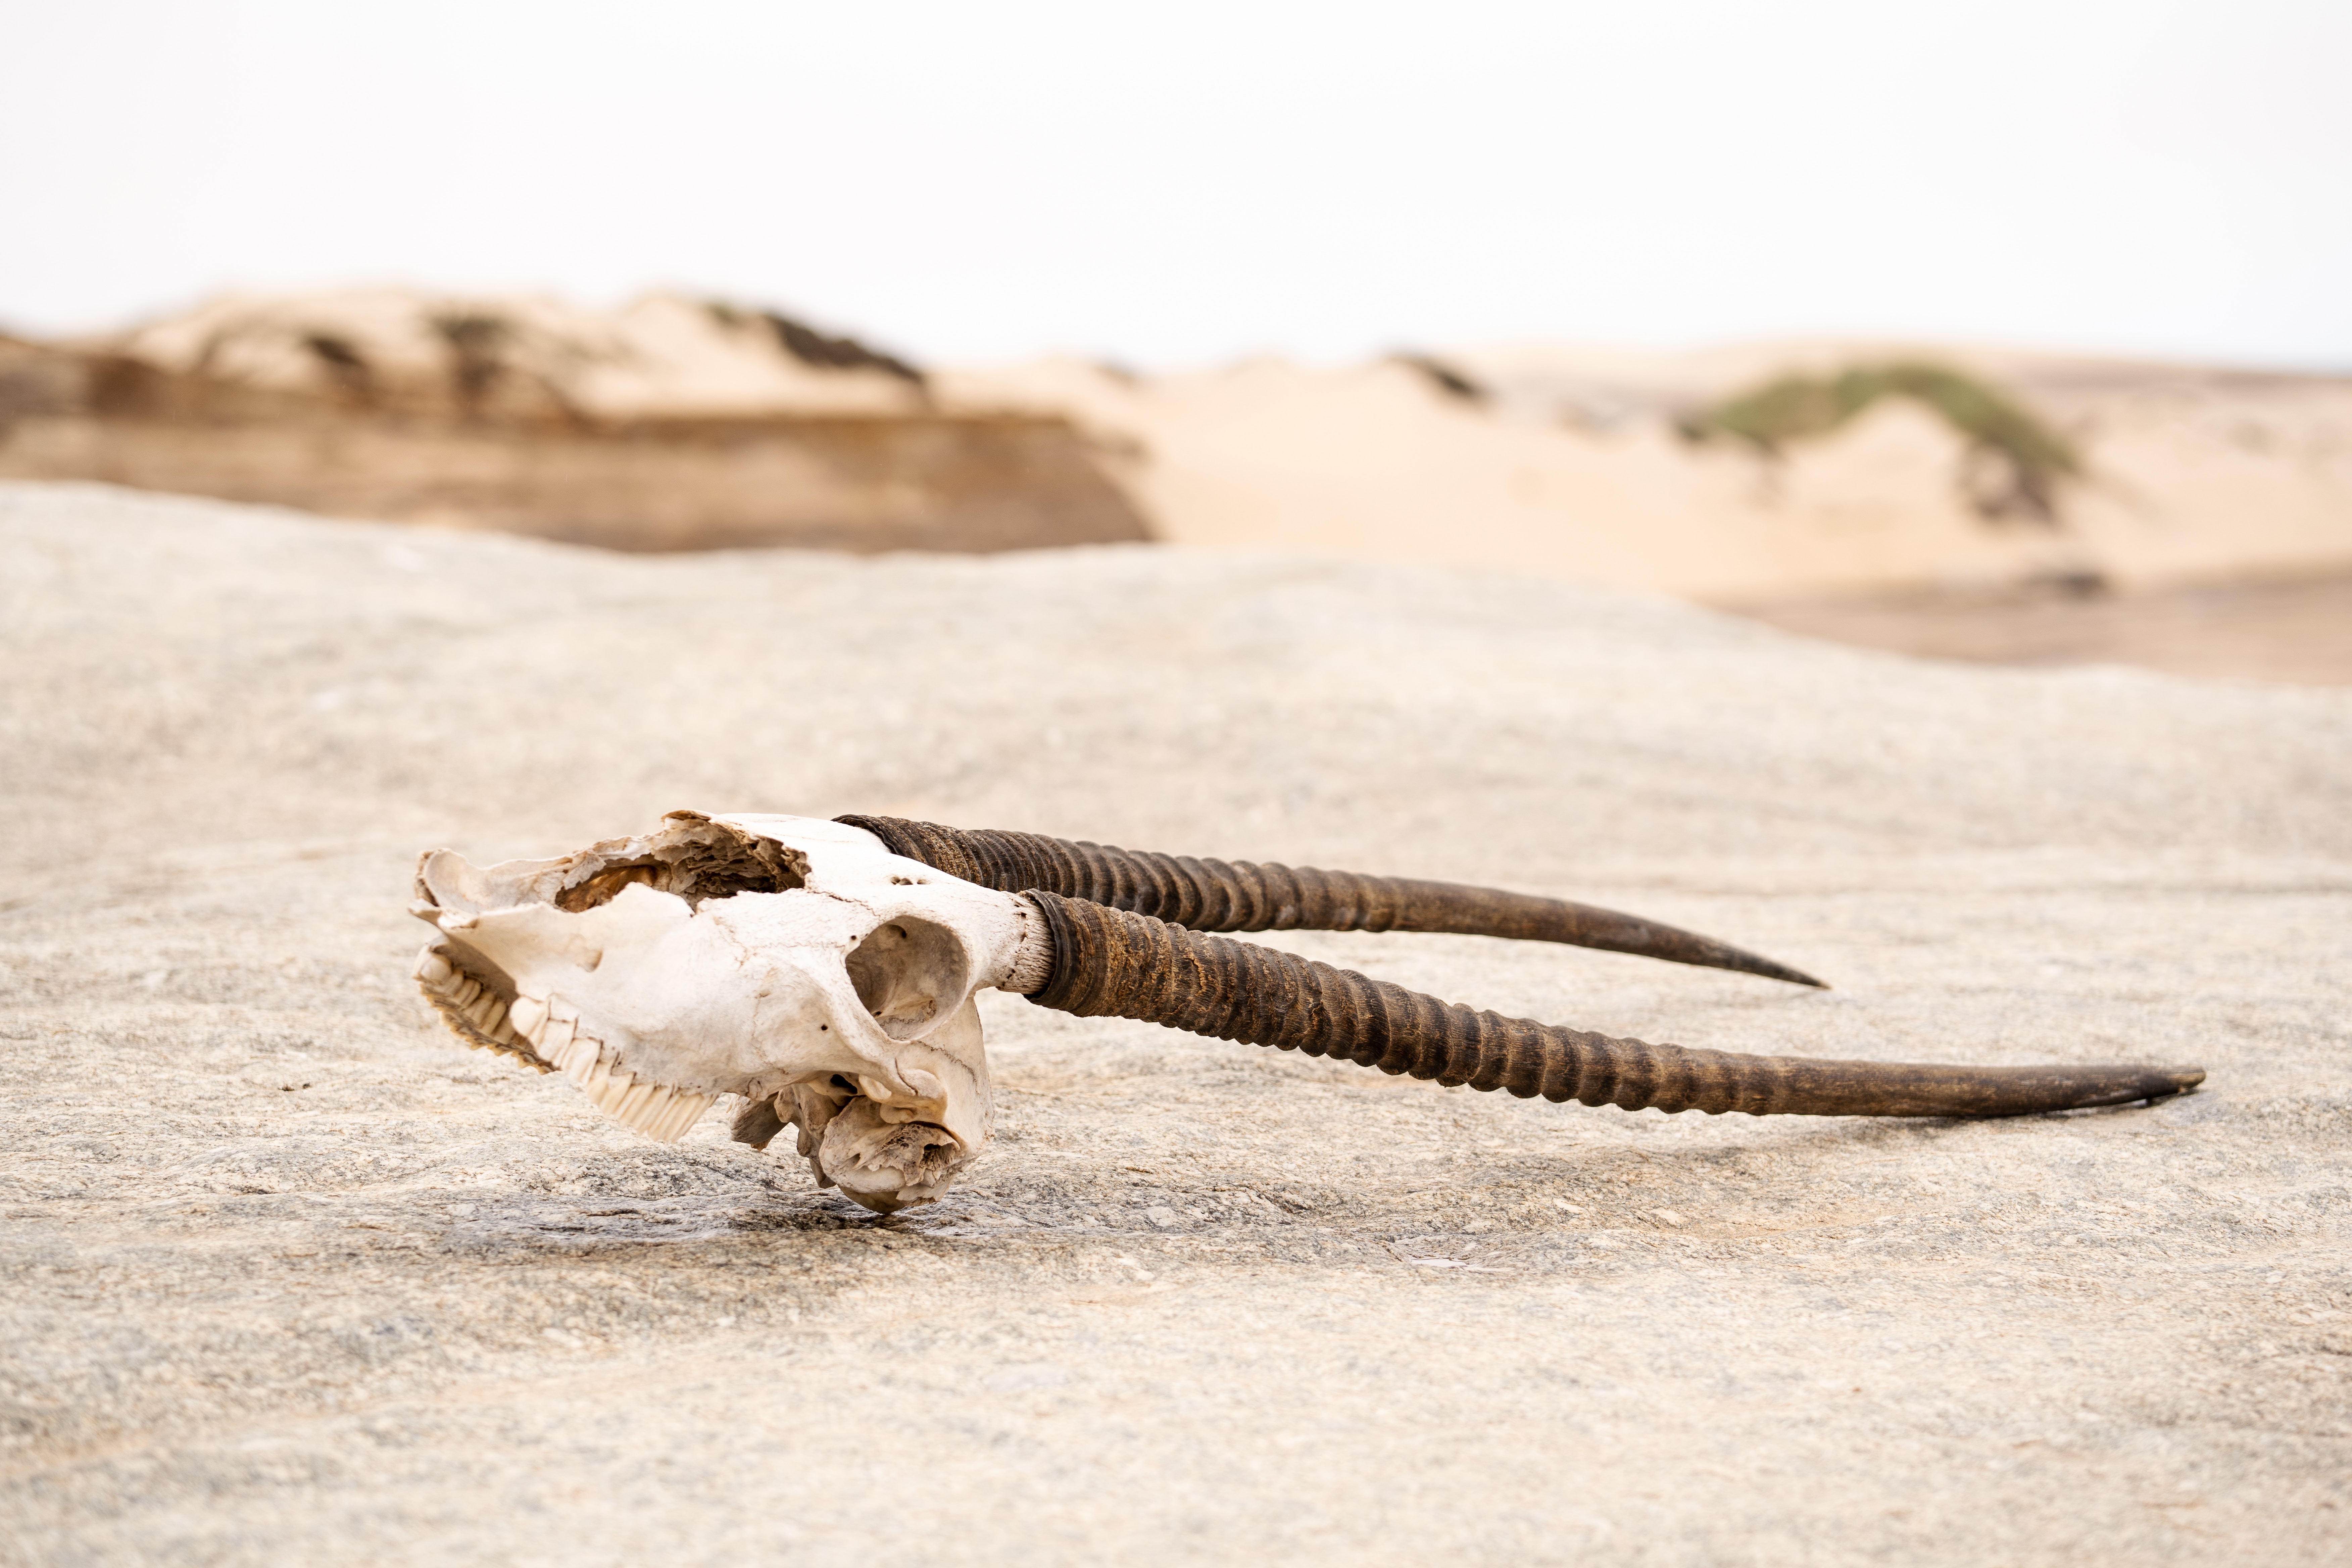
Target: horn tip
x,y
2137,1086
1771,970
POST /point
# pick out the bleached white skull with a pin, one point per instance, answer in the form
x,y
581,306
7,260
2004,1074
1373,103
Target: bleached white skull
x,y
814,969
794,961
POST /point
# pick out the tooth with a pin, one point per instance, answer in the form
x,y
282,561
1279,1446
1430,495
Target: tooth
x,y
486,1010
465,991
689,1111
553,1037
634,1101
557,1007
528,1015
684,1114
610,1088
599,1073
646,1115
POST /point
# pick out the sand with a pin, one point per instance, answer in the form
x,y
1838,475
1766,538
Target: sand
x,y
2296,630
291,1278
661,355
1568,464
1572,468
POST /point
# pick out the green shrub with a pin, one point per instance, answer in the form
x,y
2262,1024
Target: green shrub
x,y
2014,464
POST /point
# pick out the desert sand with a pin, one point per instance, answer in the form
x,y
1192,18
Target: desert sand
x,y
660,355
2294,629
1571,466
292,1279
1563,460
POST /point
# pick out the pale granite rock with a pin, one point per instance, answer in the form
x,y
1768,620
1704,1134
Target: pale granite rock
x,y
291,1278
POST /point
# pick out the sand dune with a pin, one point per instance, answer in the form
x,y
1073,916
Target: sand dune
x,y
1565,461
660,356
671,425
1571,466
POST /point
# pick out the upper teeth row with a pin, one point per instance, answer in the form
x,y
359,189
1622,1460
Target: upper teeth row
x,y
552,1029
473,1009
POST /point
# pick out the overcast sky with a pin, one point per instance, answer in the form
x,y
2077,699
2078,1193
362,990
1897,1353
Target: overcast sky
x,y
1178,185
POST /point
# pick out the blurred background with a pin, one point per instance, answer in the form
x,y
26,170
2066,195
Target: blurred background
x,y
2010,331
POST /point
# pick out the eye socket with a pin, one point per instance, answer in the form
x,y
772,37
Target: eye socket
x,y
908,973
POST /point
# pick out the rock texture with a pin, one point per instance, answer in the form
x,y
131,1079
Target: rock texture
x,y
291,1278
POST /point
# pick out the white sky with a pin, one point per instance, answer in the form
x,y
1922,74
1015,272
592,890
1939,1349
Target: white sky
x,y
1182,183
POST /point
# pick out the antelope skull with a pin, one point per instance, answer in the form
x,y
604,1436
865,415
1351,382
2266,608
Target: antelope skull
x,y
796,963
826,972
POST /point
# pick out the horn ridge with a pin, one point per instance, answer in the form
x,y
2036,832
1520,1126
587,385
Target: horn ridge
x,y
1116,963
1239,896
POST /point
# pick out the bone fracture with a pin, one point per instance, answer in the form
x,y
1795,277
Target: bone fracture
x,y
826,972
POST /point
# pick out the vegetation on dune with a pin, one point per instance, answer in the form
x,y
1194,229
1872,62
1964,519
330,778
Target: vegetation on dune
x,y
346,367
2014,463
809,346
477,343
1449,379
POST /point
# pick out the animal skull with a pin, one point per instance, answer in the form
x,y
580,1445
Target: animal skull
x,y
794,961
826,972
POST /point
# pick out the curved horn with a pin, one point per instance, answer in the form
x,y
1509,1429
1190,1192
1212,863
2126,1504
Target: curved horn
x,y
1110,963
1218,896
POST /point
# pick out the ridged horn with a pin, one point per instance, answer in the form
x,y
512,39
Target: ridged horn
x,y
1222,896
1110,963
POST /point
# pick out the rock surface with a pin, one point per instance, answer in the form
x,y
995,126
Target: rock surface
x,y
291,1278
